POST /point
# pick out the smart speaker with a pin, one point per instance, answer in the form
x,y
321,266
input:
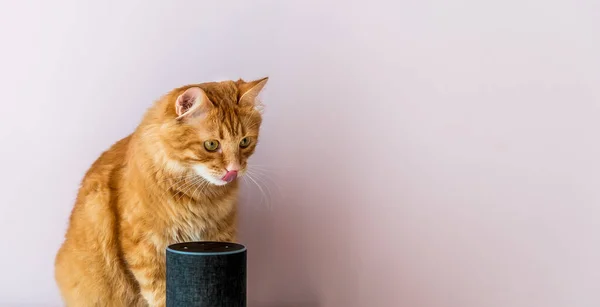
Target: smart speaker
x,y
206,274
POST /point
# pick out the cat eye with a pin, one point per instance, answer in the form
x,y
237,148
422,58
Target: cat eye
x,y
245,142
211,145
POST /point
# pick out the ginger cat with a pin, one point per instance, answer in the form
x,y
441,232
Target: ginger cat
x,y
173,180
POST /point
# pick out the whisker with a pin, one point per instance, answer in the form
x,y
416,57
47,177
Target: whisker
x,y
201,186
262,191
268,183
267,173
190,185
269,168
181,179
248,181
265,179
178,181
204,186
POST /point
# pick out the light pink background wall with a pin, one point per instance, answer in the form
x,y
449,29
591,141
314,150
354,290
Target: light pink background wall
x,y
420,153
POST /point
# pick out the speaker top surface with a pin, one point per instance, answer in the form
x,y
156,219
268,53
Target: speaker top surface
x,y
207,248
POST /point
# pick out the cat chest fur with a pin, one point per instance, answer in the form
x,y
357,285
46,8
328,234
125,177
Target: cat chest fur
x,y
197,220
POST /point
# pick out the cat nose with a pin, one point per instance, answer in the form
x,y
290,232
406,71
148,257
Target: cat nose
x,y
232,172
232,167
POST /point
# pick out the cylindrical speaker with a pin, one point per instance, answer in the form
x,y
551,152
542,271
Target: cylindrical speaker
x,y
206,274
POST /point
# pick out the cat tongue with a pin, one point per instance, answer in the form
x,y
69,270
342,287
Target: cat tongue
x,y
230,176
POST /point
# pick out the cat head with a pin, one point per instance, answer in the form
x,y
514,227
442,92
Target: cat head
x,y
212,128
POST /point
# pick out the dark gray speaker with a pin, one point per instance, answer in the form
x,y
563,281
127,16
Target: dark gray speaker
x,y
206,274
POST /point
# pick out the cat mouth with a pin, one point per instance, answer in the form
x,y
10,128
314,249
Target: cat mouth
x,y
230,176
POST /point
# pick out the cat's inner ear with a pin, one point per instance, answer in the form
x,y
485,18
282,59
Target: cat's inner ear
x,y
192,103
249,92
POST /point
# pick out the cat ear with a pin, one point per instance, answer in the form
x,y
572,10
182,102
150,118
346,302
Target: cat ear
x,y
250,90
192,103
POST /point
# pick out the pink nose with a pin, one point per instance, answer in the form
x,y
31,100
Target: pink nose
x,y
230,176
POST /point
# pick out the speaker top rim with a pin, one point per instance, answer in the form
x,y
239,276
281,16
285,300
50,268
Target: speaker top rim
x,y
206,248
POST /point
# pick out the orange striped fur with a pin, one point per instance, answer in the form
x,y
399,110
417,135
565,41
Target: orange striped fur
x,y
156,187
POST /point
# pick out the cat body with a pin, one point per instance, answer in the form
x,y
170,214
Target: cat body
x,y
173,180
